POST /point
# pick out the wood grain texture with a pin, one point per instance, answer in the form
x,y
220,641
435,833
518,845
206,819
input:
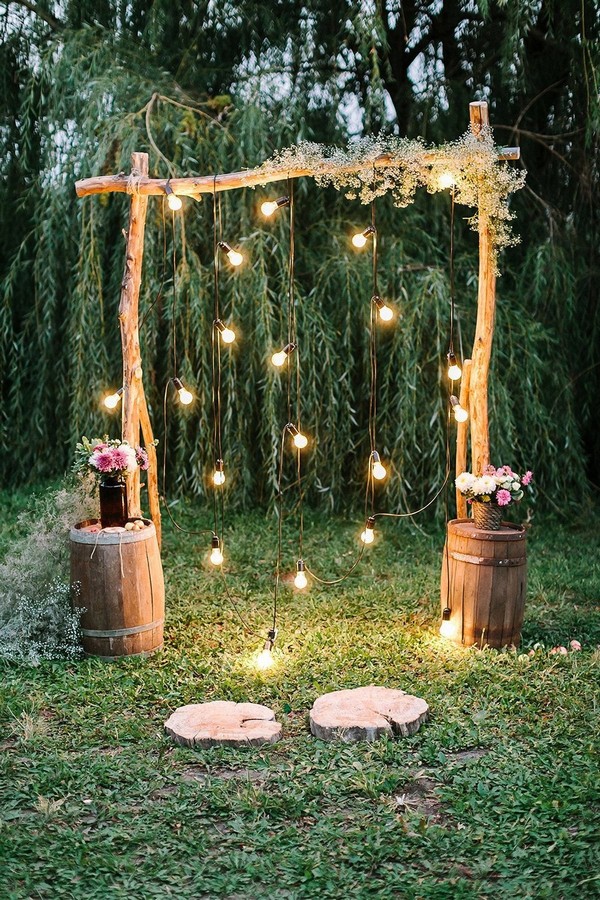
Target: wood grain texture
x,y
462,437
484,581
152,473
121,590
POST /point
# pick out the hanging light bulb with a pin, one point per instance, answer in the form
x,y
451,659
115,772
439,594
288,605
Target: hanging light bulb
x,y
300,440
360,238
264,659
300,580
454,370
271,206
219,474
368,535
216,556
185,396
446,628
235,258
446,180
460,414
227,335
278,359
111,401
379,471
386,313
172,199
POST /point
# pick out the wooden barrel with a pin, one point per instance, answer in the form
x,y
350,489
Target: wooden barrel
x,y
484,580
117,578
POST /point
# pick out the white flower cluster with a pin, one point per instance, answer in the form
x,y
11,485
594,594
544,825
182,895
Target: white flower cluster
x,y
42,627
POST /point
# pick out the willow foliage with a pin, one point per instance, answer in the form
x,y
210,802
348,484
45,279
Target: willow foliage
x,y
202,92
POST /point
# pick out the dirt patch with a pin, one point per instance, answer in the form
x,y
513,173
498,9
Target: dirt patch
x,y
419,797
202,775
466,756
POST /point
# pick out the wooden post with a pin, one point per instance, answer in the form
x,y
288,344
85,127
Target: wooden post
x,y
484,331
462,437
152,473
128,319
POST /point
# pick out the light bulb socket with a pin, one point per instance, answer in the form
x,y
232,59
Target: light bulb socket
x,y
300,565
219,325
446,612
370,522
375,458
224,247
219,465
289,348
451,357
369,230
215,543
454,401
271,638
376,299
292,429
177,383
282,201
168,189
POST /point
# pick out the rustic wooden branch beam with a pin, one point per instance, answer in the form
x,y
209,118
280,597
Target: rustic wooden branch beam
x,y
190,187
129,323
484,330
462,437
152,473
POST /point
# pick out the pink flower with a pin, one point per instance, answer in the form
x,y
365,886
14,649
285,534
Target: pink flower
x,y
560,650
489,470
575,645
103,460
526,479
120,458
503,497
142,458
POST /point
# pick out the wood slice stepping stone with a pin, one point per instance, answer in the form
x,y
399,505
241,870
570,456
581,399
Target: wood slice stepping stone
x,y
366,714
223,723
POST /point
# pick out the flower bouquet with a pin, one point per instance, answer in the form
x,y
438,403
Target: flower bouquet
x,y
491,491
110,461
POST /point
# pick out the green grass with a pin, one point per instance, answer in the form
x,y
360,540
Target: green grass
x,y
497,795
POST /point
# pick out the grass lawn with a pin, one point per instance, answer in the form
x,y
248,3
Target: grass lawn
x,y
496,796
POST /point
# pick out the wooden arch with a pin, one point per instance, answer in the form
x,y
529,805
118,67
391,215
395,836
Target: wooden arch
x,y
474,383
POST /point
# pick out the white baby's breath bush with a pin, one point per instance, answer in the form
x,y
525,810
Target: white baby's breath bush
x,y
36,618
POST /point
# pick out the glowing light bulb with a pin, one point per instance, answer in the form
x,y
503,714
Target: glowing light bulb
x,y
216,556
446,180
454,370
111,401
227,335
379,471
446,628
300,440
271,206
264,660
460,414
172,199
368,535
360,238
185,396
234,256
386,313
219,474
300,580
278,359
265,657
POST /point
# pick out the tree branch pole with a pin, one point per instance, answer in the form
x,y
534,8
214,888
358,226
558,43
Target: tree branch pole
x,y
484,329
129,321
462,437
206,184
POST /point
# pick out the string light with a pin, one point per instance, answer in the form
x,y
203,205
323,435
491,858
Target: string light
x,y
216,556
271,206
278,359
219,474
227,335
185,396
265,657
460,414
234,256
172,199
386,313
300,440
360,238
300,580
446,628
368,535
377,468
454,370
446,180
111,401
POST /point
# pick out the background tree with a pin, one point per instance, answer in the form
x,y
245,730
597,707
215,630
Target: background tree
x,y
209,87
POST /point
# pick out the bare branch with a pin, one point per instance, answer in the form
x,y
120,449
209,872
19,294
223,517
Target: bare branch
x,y
50,20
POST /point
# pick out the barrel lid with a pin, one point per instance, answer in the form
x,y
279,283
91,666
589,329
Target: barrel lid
x,y
508,531
89,532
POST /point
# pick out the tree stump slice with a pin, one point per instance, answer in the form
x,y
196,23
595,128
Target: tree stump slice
x,y
366,714
223,723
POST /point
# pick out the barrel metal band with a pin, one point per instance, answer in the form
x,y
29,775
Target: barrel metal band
x,y
122,632
488,561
